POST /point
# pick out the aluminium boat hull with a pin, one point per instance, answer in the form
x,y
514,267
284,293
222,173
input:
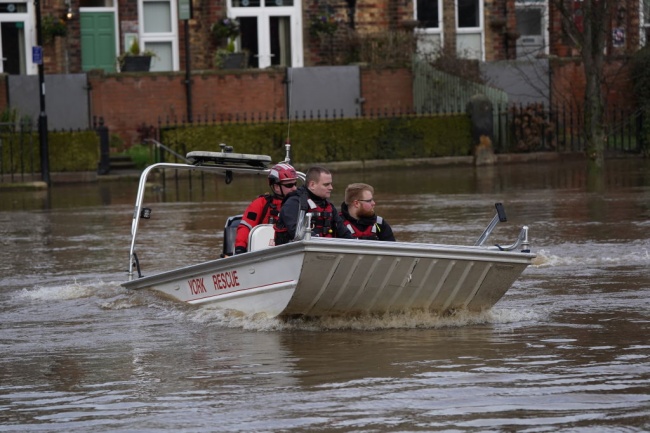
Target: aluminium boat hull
x,y
323,277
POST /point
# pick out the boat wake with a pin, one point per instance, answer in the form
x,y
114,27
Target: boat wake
x,y
367,322
110,296
582,255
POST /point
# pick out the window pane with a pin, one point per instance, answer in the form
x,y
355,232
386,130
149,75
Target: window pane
x,y
428,13
245,3
280,41
468,13
157,17
163,59
96,3
248,38
529,22
469,46
272,3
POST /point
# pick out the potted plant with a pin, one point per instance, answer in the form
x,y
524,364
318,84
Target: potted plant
x,y
53,27
224,32
134,60
226,58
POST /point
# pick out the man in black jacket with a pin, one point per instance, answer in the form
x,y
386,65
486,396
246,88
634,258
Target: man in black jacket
x,y
358,212
312,198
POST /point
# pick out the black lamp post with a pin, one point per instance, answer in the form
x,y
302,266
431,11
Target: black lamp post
x,y
37,54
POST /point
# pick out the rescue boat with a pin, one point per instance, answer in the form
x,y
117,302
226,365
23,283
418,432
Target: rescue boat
x,y
315,276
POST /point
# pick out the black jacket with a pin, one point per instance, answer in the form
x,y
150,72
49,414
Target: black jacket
x,y
285,227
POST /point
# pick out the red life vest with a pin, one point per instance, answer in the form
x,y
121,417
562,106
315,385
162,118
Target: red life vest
x,y
321,219
370,232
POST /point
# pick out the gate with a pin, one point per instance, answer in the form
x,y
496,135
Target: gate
x,y
66,99
328,91
435,91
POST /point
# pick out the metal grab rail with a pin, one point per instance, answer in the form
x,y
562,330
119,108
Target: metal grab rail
x,y
522,240
159,145
225,168
138,211
500,216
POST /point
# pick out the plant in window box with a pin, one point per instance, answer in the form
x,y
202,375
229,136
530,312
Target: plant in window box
x,y
224,30
226,58
134,60
52,27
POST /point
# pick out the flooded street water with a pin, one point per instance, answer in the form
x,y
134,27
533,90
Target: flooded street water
x,y
566,349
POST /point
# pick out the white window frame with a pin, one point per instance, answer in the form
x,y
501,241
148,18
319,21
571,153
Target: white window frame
x,y
430,40
171,37
29,33
541,4
263,14
644,24
471,31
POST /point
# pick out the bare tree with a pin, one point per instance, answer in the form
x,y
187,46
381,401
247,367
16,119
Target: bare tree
x,y
587,28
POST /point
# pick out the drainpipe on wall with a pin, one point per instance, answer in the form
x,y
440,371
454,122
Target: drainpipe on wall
x,y
352,5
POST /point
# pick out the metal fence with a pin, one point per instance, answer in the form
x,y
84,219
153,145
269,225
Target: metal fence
x,y
538,128
517,128
19,157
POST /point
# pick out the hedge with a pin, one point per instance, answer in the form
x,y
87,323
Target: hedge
x,y
333,140
68,151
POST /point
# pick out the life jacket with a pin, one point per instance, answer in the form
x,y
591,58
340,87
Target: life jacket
x,y
370,232
321,219
273,212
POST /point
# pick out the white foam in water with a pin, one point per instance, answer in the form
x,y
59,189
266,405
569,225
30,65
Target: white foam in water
x,y
579,255
50,293
412,320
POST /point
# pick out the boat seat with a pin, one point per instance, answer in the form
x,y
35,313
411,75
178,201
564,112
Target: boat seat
x,y
261,237
229,235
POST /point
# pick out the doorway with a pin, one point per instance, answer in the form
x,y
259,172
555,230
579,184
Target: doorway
x,y
271,32
15,28
13,48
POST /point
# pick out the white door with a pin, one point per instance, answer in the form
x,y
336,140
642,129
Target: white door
x,y
271,31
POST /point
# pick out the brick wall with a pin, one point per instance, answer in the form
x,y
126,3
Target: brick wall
x,y
387,89
569,83
127,101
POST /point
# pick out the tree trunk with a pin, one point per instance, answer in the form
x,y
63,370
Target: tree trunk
x,y
593,61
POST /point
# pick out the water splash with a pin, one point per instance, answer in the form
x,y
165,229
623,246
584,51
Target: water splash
x,y
214,316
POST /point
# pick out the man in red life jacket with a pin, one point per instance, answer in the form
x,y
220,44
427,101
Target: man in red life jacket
x,y
312,198
358,212
265,209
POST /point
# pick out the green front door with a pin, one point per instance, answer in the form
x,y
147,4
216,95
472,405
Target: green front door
x,y
98,41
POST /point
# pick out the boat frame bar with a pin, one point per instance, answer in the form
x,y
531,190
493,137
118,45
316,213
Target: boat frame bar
x,y
226,170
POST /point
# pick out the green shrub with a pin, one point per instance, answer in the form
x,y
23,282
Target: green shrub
x,y
333,140
67,151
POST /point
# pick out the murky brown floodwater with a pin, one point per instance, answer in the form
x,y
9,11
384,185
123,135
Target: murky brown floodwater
x,y
566,349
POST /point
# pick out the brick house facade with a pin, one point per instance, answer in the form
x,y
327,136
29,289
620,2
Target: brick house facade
x,y
497,30
484,30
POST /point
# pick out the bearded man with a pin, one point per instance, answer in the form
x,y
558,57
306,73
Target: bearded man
x,y
358,213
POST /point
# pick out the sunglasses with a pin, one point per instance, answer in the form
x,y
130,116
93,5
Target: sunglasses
x,y
288,185
370,200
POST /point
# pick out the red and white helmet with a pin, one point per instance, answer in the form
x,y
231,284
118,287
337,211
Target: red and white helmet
x,y
281,172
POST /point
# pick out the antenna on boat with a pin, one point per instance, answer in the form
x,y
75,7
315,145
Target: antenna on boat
x,y
287,143
287,147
